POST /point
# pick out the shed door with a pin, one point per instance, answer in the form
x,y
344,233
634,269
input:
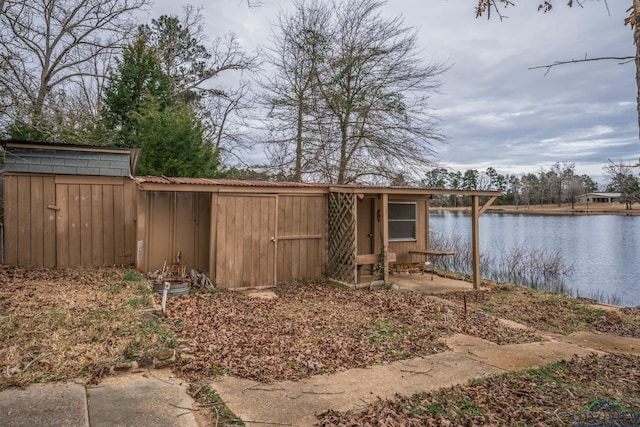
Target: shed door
x,y
365,226
246,241
61,221
94,222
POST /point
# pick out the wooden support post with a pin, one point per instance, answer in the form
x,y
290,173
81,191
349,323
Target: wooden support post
x,y
487,204
142,263
427,235
475,241
275,241
213,237
354,212
385,234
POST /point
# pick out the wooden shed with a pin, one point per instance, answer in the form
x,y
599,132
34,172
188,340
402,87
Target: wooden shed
x,y
246,234
68,205
73,206
251,234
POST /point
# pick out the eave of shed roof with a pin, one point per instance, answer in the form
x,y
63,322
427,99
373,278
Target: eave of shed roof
x,y
163,183
61,146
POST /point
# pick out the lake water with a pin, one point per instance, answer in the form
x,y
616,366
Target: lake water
x,y
604,249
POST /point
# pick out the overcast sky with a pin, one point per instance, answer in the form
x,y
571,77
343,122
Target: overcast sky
x,y
494,111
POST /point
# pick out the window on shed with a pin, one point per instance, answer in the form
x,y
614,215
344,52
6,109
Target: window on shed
x,y
402,221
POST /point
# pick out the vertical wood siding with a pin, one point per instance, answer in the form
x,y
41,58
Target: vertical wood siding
x,y
245,253
302,236
94,225
29,223
55,221
176,221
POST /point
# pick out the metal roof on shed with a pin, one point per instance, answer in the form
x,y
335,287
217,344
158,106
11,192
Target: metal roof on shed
x,y
163,183
223,182
245,183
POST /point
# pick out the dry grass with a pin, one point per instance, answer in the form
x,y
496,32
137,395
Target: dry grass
x,y
551,312
72,324
559,394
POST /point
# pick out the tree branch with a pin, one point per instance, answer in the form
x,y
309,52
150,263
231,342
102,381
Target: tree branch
x,y
576,61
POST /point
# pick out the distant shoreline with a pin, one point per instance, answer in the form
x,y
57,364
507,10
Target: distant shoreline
x,y
554,209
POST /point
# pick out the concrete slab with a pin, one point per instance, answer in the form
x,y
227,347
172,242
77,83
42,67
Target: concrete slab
x,y
144,399
604,342
261,293
51,405
513,357
424,283
297,402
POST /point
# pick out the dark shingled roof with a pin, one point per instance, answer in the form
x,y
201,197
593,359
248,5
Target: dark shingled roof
x,y
65,159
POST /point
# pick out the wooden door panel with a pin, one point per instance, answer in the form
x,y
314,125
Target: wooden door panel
x,y
245,252
88,226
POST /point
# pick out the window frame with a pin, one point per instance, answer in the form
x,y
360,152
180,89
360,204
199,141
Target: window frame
x,y
414,220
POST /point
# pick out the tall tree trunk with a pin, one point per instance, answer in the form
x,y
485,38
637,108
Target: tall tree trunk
x,y
297,173
636,40
342,167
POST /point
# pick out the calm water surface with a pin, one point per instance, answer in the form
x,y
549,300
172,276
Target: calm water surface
x,y
605,249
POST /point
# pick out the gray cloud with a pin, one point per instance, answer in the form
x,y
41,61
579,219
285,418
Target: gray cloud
x,y
494,110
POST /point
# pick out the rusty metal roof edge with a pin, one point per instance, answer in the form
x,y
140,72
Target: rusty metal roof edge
x,y
164,180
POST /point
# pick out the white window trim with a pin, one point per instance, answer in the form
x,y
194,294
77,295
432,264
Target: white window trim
x,y
415,221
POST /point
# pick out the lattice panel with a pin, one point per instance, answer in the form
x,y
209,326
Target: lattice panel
x,y
342,237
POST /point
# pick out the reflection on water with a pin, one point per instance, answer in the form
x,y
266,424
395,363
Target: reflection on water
x,y
605,249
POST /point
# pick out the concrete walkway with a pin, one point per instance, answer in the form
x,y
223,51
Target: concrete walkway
x,y
150,398
158,398
296,403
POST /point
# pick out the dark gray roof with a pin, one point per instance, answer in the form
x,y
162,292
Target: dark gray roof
x,y
603,194
65,159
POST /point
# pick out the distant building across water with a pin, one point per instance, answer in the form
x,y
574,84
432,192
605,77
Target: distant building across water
x,y
599,198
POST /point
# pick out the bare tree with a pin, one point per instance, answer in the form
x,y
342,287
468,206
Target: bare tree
x,y
193,62
622,180
560,174
376,89
574,188
359,90
47,44
225,121
300,42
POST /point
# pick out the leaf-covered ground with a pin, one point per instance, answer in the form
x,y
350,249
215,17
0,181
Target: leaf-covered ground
x,y
559,394
549,311
67,324
318,328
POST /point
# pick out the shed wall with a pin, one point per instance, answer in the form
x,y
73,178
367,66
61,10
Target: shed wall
x,y
169,222
259,240
302,237
54,160
69,221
